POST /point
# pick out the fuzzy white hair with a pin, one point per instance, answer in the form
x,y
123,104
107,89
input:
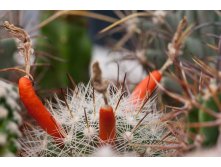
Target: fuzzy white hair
x,y
134,128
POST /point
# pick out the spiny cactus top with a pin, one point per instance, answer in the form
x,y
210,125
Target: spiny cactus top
x,y
138,132
10,120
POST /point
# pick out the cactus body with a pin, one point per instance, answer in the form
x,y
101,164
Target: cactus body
x,y
10,120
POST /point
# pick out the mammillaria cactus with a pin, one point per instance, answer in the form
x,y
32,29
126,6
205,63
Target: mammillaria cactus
x,y
84,114
139,132
10,119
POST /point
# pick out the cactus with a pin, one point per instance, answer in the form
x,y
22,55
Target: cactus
x,y
201,101
10,120
211,133
139,133
71,45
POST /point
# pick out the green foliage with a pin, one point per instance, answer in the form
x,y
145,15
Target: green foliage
x,y
67,39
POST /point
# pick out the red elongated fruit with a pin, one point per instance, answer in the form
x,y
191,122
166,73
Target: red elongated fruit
x,y
107,124
36,108
146,86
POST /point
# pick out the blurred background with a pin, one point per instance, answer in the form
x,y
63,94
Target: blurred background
x,y
68,42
